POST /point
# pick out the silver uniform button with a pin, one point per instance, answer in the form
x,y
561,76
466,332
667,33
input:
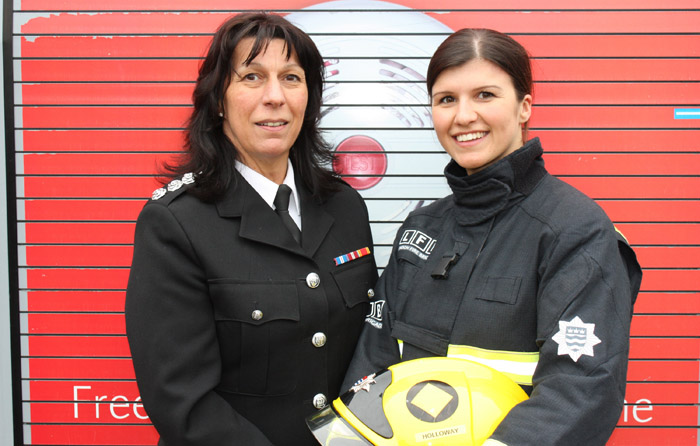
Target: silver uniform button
x,y
313,280
320,401
319,339
257,315
370,293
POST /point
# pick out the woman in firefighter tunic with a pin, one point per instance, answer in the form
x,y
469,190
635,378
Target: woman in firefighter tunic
x,y
516,269
240,322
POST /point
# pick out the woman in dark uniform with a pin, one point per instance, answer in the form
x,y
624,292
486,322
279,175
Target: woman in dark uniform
x,y
515,269
252,267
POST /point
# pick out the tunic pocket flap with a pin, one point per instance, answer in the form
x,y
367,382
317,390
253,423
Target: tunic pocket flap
x,y
501,289
355,281
420,337
254,303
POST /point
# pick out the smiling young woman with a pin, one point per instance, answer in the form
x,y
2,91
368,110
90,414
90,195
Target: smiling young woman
x,y
477,114
525,274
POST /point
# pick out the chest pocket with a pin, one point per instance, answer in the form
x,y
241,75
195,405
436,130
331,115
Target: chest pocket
x,y
355,280
500,289
257,325
408,267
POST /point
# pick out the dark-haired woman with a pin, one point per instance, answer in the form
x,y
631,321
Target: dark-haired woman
x,y
252,267
515,269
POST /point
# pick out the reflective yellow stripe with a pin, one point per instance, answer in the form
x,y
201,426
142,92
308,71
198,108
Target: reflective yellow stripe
x,y
518,366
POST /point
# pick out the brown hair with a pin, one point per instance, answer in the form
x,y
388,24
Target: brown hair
x,y
210,154
486,44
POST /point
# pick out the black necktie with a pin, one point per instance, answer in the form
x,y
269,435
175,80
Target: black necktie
x,y
281,204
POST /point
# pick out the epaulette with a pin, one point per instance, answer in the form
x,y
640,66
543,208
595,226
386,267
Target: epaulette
x,y
174,185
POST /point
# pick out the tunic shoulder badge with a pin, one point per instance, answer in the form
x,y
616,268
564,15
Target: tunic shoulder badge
x,y
576,338
417,242
174,185
374,318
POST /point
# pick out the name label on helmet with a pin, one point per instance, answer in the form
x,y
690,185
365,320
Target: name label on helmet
x,y
440,433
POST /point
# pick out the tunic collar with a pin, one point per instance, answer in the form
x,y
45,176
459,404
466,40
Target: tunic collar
x,y
484,194
267,189
260,223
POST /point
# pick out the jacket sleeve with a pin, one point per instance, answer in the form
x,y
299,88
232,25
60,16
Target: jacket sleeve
x,y
376,349
172,336
588,284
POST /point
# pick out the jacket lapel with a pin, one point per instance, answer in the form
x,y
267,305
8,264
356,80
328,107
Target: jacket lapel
x,y
260,223
315,221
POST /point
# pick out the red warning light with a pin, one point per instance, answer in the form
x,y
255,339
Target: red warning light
x,y
361,161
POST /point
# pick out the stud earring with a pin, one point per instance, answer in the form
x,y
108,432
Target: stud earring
x,y
221,114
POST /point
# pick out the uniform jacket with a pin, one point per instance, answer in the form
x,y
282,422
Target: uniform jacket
x,y
222,308
519,271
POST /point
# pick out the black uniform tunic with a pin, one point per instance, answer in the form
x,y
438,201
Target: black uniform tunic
x,y
236,331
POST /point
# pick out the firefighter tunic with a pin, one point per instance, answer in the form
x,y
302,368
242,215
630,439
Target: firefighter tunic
x,y
519,271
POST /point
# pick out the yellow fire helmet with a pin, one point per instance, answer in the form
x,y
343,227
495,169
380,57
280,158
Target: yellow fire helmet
x,y
428,401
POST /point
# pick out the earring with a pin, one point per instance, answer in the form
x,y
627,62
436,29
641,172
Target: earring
x,y
221,114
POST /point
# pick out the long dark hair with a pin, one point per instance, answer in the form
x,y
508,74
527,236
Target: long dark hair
x,y
474,43
209,153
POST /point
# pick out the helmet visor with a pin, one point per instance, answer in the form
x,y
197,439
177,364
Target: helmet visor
x,y
331,430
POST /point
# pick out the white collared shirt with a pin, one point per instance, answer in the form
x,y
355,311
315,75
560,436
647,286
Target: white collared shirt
x,y
267,189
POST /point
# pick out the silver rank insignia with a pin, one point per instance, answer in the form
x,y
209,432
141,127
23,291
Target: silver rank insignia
x,y
174,185
188,178
364,383
576,338
158,193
